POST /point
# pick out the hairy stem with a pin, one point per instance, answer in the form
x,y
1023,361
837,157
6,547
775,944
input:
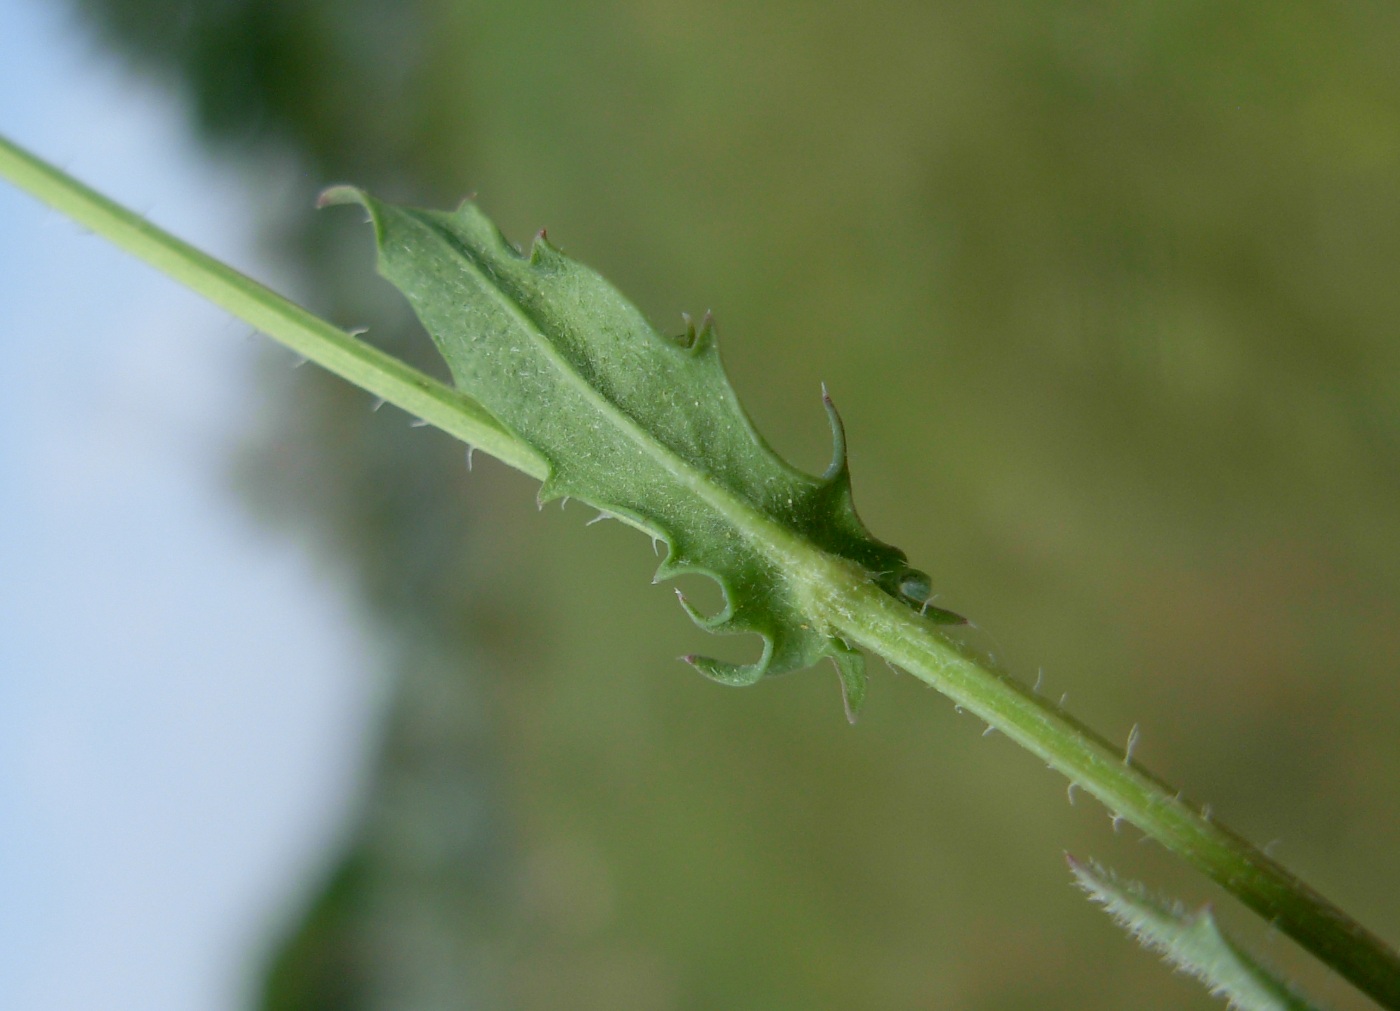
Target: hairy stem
x,y
309,336
852,607
873,620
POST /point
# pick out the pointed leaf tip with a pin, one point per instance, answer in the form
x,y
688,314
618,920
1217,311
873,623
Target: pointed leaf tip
x,y
343,194
687,337
837,469
540,247
850,668
689,609
725,673
701,339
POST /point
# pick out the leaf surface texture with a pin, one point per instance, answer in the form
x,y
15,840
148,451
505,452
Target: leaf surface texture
x,y
642,426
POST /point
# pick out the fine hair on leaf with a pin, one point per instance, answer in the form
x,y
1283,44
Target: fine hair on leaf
x,y
1191,942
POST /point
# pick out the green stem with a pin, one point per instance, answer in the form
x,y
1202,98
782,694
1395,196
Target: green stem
x,y
853,607
873,619
309,336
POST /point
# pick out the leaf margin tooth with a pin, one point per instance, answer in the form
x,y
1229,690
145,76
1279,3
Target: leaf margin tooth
x,y
705,341
735,675
850,668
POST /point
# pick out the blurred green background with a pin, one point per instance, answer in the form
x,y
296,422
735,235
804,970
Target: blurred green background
x,y
1108,296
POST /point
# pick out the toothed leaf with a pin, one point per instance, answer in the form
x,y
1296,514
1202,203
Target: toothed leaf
x,y
1190,942
640,425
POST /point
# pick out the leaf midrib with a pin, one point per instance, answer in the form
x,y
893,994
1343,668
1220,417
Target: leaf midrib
x,y
759,529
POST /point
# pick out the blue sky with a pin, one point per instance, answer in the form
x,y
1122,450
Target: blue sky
x,y
183,696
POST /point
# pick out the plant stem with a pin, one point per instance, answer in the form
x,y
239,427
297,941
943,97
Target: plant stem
x,y
874,620
853,607
308,335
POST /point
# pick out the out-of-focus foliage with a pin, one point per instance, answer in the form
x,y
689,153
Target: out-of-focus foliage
x,y
1107,294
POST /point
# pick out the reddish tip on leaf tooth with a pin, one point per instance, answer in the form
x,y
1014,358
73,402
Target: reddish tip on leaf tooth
x,y
542,234
689,658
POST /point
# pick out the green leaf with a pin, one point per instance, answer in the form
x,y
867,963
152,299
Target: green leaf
x,y
1191,942
642,426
